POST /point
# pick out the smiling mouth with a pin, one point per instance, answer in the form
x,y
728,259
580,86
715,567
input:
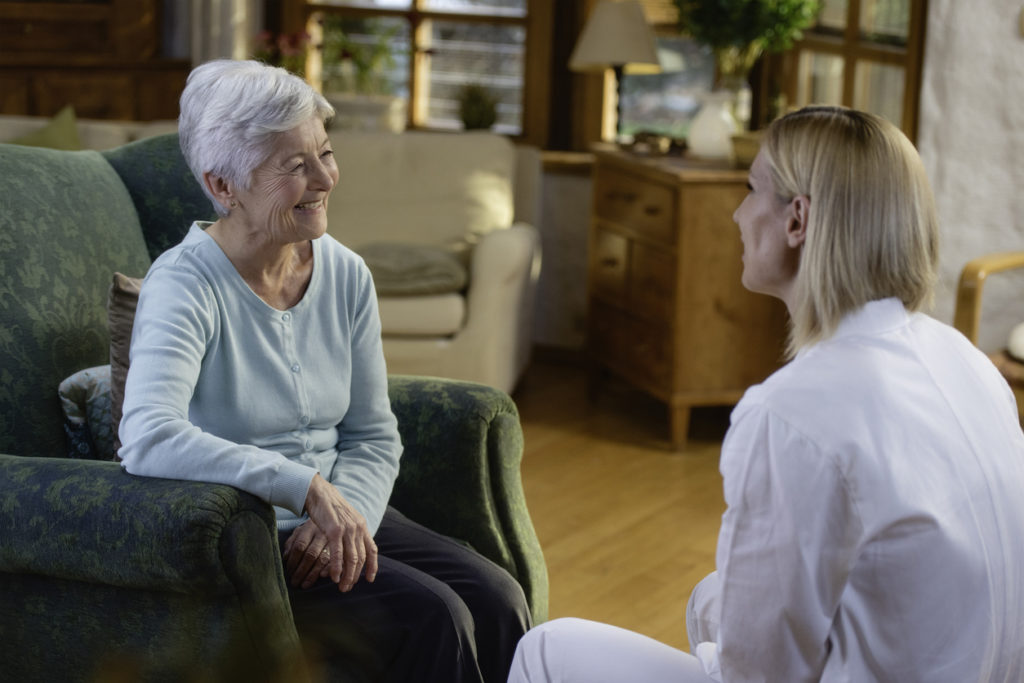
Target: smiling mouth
x,y
308,206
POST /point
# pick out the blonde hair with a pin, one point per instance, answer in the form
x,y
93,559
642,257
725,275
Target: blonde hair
x,y
872,231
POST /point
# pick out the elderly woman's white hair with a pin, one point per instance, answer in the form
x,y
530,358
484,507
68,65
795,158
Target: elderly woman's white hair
x,y
230,112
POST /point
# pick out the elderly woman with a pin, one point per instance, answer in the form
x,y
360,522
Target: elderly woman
x,y
256,361
874,485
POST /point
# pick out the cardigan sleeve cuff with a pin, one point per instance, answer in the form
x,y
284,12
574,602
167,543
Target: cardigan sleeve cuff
x,y
291,486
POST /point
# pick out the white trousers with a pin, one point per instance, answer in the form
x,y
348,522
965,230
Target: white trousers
x,y
579,651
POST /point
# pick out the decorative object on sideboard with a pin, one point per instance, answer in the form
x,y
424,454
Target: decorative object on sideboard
x,y
745,146
618,37
739,31
710,135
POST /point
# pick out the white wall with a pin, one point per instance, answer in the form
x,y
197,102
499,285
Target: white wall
x,y
971,138
561,307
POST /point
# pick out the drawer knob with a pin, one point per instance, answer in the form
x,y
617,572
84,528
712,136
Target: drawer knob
x,y
651,210
609,262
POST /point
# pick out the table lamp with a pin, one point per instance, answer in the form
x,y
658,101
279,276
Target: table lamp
x,y
616,35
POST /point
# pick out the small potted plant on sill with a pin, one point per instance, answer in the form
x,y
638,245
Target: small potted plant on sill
x,y
478,108
356,77
740,31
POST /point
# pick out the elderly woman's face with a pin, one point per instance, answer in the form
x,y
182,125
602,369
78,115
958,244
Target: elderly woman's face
x,y
288,193
769,261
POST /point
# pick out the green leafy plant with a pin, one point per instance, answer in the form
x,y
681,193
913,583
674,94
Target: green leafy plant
x,y
286,50
478,108
740,30
357,65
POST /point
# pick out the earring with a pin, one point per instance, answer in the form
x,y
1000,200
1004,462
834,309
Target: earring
x,y
233,203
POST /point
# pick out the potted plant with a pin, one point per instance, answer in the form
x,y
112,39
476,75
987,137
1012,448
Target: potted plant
x,y
287,50
478,108
740,31
357,76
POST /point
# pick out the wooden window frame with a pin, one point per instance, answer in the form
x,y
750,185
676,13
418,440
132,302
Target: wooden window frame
x,y
852,48
537,66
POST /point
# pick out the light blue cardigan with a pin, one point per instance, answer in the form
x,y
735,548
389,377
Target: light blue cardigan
x,y
226,389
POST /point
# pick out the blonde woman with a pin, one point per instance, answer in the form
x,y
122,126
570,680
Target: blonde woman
x,y
875,485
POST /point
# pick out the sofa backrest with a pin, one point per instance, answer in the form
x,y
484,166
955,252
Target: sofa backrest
x,y
166,195
92,133
439,189
67,223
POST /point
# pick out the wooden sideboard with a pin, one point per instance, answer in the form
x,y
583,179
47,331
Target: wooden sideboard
x,y
666,309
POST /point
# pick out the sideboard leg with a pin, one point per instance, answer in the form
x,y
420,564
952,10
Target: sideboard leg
x,y
679,419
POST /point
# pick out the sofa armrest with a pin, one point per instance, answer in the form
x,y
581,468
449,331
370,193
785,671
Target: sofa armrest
x,y
460,473
967,316
90,521
504,256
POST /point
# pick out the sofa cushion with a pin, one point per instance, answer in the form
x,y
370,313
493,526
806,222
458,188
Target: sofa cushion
x,y
57,133
413,269
165,192
67,223
121,304
438,315
85,399
425,188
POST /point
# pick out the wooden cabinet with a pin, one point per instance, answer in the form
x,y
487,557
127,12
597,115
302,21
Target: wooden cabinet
x,y
666,309
100,56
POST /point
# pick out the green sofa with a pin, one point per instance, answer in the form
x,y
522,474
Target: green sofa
x,y
103,574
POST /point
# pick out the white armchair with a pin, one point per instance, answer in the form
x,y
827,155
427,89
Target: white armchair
x,y
472,195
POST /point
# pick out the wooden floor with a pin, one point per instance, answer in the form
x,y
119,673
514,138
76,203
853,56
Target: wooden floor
x,y
627,526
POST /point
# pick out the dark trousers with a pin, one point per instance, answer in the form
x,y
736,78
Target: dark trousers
x,y
437,611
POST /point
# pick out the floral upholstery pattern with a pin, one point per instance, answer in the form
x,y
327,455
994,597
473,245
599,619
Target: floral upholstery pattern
x,y
102,569
166,194
66,223
98,564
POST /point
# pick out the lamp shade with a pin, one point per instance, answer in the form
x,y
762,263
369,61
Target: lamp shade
x,y
616,34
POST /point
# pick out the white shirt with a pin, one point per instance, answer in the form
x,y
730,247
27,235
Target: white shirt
x,y
875,521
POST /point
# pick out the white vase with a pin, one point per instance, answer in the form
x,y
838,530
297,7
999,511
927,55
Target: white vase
x,y
711,131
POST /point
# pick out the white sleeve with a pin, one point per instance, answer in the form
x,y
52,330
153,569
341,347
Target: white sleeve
x,y
785,550
174,323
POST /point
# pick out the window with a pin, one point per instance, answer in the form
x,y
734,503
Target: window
x,y
427,50
865,54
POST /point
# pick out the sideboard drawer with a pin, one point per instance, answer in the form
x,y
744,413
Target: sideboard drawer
x,y
646,208
609,265
622,341
652,283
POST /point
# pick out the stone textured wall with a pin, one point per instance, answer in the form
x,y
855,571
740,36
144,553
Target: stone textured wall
x,y
971,137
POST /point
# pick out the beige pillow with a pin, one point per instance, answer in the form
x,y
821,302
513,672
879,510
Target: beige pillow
x,y
60,132
121,303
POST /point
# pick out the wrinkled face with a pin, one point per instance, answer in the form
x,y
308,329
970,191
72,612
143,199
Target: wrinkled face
x,y
287,197
769,262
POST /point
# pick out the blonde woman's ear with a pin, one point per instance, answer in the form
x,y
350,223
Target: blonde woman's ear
x,y
796,227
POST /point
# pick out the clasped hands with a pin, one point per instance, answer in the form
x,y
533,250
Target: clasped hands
x,y
334,542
